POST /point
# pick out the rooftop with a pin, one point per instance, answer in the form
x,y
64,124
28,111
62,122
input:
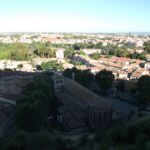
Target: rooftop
x,y
85,95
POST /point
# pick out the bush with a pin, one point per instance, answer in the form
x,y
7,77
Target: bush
x,y
51,65
19,66
95,56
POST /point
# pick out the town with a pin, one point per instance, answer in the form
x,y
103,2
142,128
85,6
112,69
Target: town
x,y
87,82
123,54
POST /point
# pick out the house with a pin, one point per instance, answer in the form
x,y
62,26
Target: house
x,y
82,67
122,74
27,68
148,57
60,54
91,51
147,65
115,73
139,43
105,43
95,69
138,73
139,51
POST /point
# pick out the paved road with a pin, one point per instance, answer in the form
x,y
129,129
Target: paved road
x,y
146,116
122,108
7,101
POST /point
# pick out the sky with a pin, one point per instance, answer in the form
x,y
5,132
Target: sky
x,y
74,15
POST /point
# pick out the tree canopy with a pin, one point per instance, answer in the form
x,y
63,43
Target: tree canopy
x,y
51,65
95,56
104,79
143,86
36,101
147,46
84,77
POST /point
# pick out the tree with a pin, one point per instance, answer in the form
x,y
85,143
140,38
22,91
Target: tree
x,y
83,77
37,100
95,56
69,52
25,117
147,46
104,79
143,86
51,65
83,140
141,141
117,134
77,46
148,146
121,85
61,145
122,53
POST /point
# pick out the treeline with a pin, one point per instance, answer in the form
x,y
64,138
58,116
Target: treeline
x,y
147,47
89,45
118,137
103,79
14,51
131,137
22,51
115,50
51,65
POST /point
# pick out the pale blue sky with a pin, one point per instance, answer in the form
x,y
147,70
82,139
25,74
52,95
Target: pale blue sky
x,y
74,15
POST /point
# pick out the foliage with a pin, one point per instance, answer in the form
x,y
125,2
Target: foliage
x,y
51,65
104,79
69,52
141,56
121,85
122,53
84,77
37,101
82,52
19,66
143,86
95,56
118,137
78,63
43,49
147,46
15,51
129,45
28,141
78,46
133,137
117,134
83,140
36,141
22,51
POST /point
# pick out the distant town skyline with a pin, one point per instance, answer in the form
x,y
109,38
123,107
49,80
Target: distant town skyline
x,y
74,16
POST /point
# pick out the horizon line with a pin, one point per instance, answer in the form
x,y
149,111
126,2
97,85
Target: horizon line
x,y
100,32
